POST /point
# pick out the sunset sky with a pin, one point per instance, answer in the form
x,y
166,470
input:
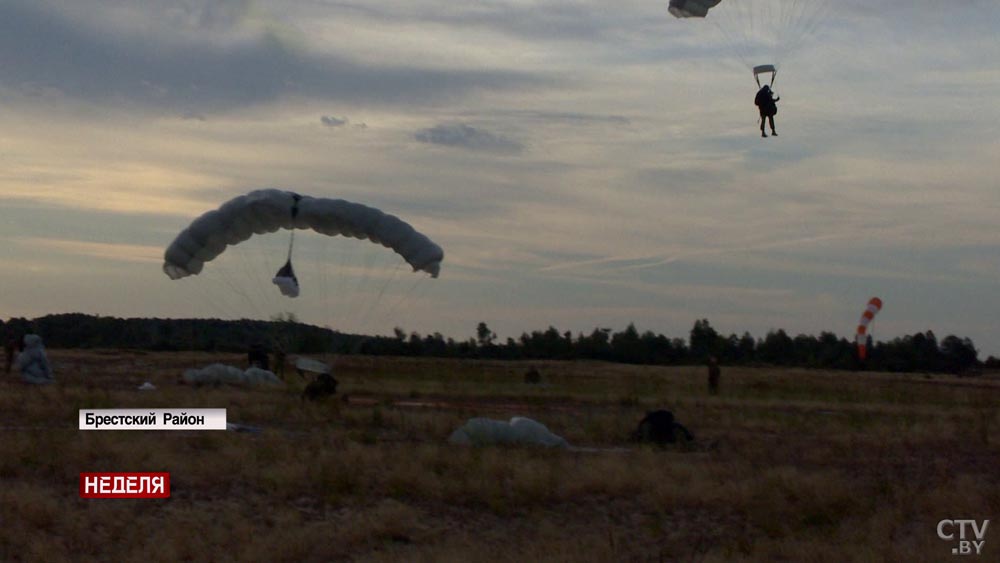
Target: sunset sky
x,y
582,163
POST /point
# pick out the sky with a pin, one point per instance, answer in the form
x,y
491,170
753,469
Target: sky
x,y
582,163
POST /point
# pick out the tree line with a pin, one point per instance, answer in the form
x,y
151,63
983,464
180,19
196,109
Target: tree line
x,y
920,352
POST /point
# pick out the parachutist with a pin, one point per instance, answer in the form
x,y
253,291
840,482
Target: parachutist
x,y
10,346
713,375
766,102
323,386
659,427
286,281
257,356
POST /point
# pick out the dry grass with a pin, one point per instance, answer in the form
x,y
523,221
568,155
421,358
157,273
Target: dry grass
x,y
789,465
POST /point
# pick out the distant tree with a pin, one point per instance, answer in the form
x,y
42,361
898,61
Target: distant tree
x,y
746,348
958,354
484,335
917,352
596,346
704,340
776,348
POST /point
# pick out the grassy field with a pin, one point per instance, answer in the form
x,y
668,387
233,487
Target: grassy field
x,y
788,465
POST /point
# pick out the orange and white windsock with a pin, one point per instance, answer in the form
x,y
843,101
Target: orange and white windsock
x,y
874,306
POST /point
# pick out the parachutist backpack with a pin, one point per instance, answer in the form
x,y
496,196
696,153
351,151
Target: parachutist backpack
x,y
659,427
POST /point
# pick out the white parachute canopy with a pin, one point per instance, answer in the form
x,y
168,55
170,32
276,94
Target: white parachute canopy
x,y
519,431
758,32
267,211
215,374
228,261
312,366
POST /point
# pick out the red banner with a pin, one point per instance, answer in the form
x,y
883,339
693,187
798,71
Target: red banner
x,y
124,485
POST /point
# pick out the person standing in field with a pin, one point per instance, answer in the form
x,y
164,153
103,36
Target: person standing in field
x,y
257,356
8,347
713,375
279,362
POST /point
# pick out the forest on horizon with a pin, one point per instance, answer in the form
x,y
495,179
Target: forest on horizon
x,y
919,352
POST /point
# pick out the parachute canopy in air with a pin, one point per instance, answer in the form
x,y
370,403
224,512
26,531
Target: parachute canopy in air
x,y
691,8
764,69
267,211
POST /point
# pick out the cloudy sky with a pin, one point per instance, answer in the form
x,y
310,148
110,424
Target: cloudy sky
x,y
583,163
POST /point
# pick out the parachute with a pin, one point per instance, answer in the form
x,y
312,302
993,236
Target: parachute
x,y
266,211
691,8
230,258
224,374
519,431
759,33
874,306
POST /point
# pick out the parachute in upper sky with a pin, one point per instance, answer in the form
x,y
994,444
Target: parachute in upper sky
x,y
691,8
759,33
267,211
874,306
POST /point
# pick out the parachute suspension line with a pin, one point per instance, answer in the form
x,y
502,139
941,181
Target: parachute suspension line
x,y
295,213
378,298
229,274
731,41
789,18
804,20
237,290
256,269
355,303
408,296
745,14
291,243
222,307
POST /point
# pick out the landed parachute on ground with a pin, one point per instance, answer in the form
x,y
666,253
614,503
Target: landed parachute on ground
x,y
874,306
759,33
519,431
267,211
217,374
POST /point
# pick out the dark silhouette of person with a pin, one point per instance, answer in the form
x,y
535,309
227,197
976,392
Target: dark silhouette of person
x,y
279,362
533,376
768,106
11,345
659,427
257,356
323,386
713,375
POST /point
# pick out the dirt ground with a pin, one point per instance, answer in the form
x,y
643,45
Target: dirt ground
x,y
787,465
